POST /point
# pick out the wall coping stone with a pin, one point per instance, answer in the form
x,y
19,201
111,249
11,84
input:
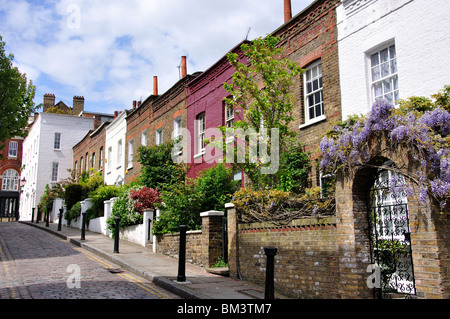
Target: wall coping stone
x,y
212,213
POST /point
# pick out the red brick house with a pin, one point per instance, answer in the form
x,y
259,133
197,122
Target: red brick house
x,y
310,39
10,174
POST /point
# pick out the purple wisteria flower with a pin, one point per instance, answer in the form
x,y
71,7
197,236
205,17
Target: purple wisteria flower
x,y
426,133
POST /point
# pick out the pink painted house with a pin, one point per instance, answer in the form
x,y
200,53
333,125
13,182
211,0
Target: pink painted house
x,y
206,110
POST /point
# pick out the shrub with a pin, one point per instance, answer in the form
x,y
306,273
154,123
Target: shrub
x,y
73,212
124,208
183,202
145,198
158,168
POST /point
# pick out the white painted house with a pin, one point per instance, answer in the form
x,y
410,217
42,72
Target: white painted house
x,y
48,156
115,150
391,49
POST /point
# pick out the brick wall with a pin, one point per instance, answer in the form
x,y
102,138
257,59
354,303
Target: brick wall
x,y
92,143
328,258
311,37
307,259
138,121
203,247
169,245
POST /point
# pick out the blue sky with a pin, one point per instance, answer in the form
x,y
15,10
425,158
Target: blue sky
x,y
109,51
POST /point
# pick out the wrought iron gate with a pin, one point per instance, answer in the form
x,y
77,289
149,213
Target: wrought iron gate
x,y
390,236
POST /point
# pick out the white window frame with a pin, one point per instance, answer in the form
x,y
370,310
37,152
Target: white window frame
x,y
109,159
383,73
55,168
201,128
177,128
229,115
119,153
309,78
10,180
130,153
102,155
57,141
159,136
144,138
13,149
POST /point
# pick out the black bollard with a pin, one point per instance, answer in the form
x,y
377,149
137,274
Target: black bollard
x,y
47,218
182,255
32,214
83,226
60,219
270,253
116,235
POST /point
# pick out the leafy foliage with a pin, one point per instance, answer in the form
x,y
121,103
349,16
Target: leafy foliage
x,y
16,98
263,109
158,169
280,207
145,198
124,209
184,201
419,124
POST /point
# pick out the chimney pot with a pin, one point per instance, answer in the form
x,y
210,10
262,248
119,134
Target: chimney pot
x,y
139,103
183,66
155,85
287,10
49,101
78,104
115,114
134,104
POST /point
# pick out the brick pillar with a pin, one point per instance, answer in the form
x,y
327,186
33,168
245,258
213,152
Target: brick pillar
x,y
212,236
233,246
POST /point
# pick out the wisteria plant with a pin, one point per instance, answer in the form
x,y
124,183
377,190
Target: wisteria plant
x,y
419,124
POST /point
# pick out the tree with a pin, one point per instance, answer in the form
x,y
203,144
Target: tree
x,y
16,98
261,91
158,169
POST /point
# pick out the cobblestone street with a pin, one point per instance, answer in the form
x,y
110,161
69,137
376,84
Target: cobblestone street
x,y
38,265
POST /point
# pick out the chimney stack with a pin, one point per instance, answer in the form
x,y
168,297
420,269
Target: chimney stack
x,y
183,66
155,85
78,104
134,104
49,101
287,10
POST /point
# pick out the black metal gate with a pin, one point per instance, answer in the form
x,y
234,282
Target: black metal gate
x,y
9,206
390,237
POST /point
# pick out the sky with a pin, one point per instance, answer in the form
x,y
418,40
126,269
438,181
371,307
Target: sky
x,y
109,50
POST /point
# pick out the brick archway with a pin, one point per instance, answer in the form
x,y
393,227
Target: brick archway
x,y
430,229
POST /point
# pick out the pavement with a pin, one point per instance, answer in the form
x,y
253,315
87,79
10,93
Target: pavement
x,y
160,269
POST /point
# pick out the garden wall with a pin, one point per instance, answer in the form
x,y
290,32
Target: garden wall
x,y
203,247
307,259
169,245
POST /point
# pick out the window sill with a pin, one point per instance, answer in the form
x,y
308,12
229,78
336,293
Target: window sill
x,y
199,154
313,121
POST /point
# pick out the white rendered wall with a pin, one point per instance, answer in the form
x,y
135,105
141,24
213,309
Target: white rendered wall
x,y
114,169
420,31
40,142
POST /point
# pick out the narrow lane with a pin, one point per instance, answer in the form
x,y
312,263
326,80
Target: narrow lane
x,y
38,265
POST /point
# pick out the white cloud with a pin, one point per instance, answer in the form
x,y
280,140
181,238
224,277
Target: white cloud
x,y
120,45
